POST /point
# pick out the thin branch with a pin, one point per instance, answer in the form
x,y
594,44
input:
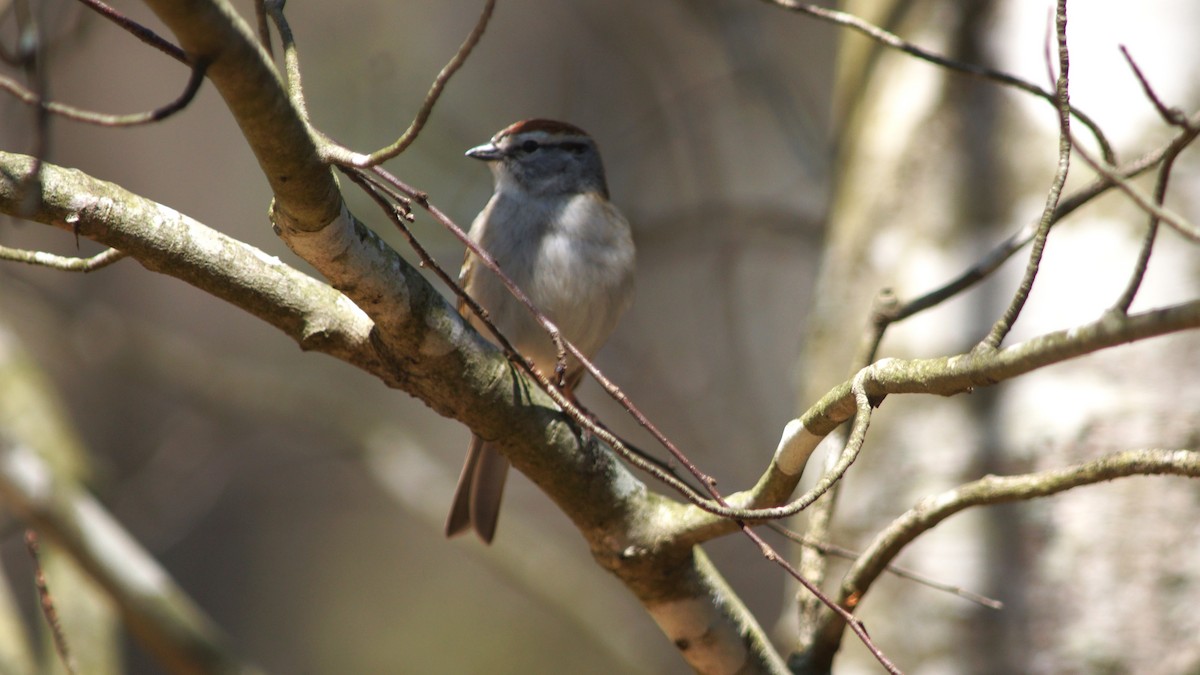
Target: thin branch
x,y
46,602
857,437
888,309
854,443
29,58
1175,117
101,119
990,490
1160,193
1144,202
902,572
889,39
400,215
264,27
431,97
842,613
1142,263
291,56
138,30
831,478
1172,116
65,264
946,376
1005,323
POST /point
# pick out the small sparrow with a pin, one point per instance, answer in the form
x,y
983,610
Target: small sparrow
x,y
550,227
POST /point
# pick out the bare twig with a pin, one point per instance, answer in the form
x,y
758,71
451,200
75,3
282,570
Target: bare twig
x,y
431,97
857,437
1144,202
291,56
902,572
888,309
841,612
27,56
1172,116
263,26
46,602
137,30
964,372
830,478
570,407
989,490
1188,133
101,119
1005,323
891,40
994,490
1160,193
65,264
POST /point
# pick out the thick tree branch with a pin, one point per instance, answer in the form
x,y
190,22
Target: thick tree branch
x,y
423,346
945,376
429,351
384,318
420,343
164,240
306,194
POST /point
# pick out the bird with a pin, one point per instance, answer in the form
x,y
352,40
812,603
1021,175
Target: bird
x,y
551,228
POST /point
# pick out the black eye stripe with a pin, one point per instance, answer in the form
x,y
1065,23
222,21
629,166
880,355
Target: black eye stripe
x,y
574,147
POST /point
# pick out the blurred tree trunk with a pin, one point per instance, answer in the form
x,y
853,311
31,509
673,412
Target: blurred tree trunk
x,y
932,169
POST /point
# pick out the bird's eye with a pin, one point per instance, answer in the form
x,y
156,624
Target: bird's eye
x,y
530,146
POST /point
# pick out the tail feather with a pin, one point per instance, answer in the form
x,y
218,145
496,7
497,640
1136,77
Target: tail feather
x,y
480,489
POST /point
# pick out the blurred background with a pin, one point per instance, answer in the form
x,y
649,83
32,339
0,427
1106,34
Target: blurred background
x,y
777,174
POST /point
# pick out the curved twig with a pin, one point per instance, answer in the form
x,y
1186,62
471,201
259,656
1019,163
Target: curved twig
x,y
435,91
889,39
827,548
990,490
1062,87
137,30
291,57
46,603
106,120
1144,202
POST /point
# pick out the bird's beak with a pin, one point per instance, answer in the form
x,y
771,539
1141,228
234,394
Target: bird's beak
x,y
488,152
